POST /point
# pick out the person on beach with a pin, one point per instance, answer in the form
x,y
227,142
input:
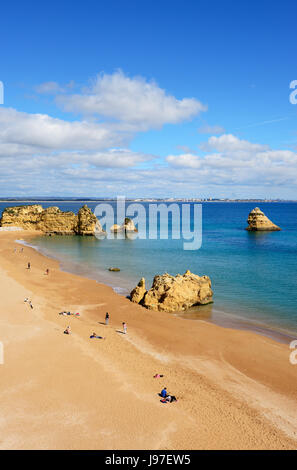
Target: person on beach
x,y
47,272
164,393
29,265
157,376
94,335
106,318
124,327
171,398
30,303
67,331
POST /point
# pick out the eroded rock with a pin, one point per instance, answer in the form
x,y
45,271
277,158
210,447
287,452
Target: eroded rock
x,y
174,293
51,220
258,221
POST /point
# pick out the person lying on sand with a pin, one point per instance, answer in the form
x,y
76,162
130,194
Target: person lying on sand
x,y
67,331
94,335
69,313
171,398
157,376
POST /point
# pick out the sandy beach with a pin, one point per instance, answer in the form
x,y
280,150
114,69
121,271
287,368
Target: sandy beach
x,y
235,389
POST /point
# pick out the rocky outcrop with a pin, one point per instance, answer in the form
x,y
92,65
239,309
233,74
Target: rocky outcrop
x,y
87,223
116,228
127,226
21,216
174,293
138,292
51,220
258,221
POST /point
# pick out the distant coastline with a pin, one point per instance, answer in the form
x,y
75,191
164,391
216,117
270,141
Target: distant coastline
x,y
86,199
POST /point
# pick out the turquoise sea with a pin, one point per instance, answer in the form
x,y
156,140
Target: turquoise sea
x,y
254,275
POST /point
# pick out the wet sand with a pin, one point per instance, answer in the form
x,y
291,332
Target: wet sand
x,y
235,389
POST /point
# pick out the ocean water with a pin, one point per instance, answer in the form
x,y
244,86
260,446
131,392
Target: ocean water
x,y
254,275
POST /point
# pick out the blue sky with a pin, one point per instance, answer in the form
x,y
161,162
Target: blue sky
x,y
148,98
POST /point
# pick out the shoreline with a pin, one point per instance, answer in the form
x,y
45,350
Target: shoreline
x,y
235,389
220,317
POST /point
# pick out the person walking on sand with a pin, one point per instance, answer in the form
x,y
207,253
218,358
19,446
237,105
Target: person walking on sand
x,y
47,271
124,328
106,318
29,265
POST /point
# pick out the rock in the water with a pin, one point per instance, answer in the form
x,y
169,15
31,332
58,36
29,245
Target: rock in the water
x,y
51,220
138,292
114,269
258,221
127,226
174,293
116,228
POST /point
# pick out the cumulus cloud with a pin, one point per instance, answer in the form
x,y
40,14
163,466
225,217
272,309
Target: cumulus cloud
x,y
186,160
133,101
231,143
236,161
43,155
44,149
23,132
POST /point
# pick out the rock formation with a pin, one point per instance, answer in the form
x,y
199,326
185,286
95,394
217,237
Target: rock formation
x,y
174,293
138,292
116,228
51,220
87,222
258,221
127,226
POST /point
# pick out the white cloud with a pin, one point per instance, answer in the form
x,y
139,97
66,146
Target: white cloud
x,y
237,162
133,101
186,160
23,132
207,129
52,88
231,143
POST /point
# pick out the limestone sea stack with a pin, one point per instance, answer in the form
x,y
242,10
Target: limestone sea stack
x,y
258,221
127,226
173,293
51,220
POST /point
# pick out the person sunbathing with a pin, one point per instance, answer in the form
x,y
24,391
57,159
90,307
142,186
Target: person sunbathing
x,y
67,331
171,398
94,335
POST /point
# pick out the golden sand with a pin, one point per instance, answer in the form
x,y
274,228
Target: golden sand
x,y
235,389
